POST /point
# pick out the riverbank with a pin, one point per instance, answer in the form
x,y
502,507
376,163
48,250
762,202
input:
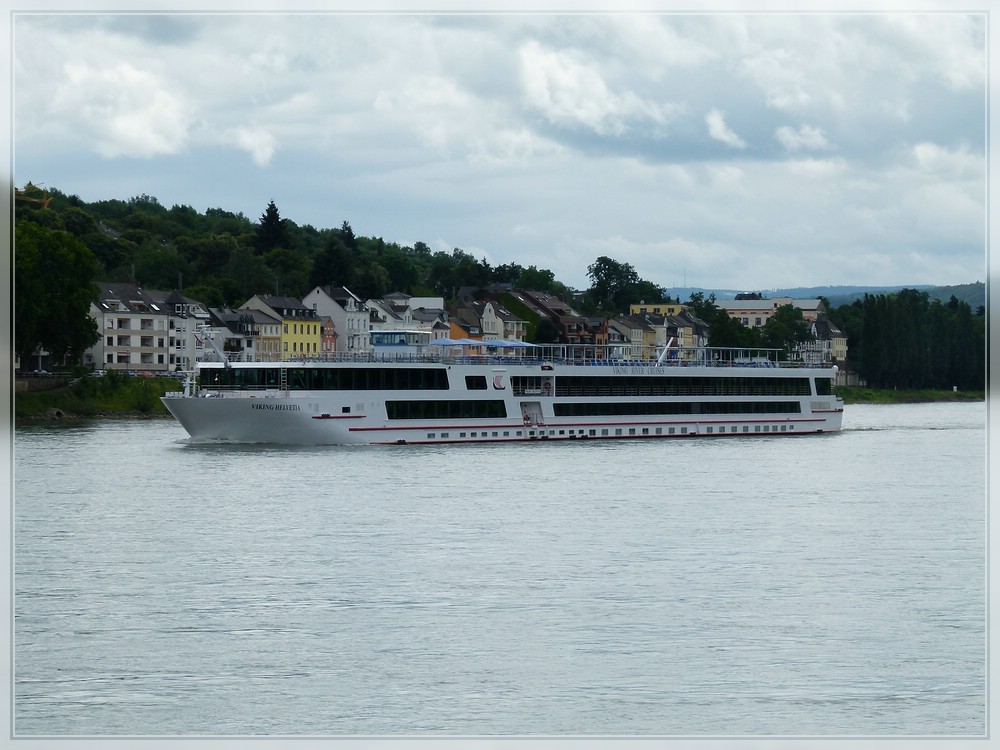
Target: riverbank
x,y
853,395
113,396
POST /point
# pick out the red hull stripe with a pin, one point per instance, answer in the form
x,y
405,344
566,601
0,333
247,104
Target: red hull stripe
x,y
577,425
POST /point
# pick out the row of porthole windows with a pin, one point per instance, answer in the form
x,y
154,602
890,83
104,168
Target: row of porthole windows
x,y
607,432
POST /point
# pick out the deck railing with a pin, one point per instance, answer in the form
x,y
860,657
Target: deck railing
x,y
564,355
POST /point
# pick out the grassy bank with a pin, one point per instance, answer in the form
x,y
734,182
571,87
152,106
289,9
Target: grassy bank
x,y
877,396
113,395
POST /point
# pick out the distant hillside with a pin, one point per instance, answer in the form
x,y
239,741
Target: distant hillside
x,y
974,293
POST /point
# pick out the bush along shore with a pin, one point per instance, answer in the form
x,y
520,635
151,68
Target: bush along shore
x,y
88,397
855,395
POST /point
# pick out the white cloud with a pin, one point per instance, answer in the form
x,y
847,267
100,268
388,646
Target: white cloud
x,y
930,157
126,111
718,130
806,137
257,142
568,91
949,45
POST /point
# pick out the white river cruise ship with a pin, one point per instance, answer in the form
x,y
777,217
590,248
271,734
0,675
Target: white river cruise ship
x,y
513,391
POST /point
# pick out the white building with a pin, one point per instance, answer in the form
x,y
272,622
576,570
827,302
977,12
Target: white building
x,y
348,312
144,330
754,313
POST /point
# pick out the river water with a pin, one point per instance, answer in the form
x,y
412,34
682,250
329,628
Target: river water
x,y
829,585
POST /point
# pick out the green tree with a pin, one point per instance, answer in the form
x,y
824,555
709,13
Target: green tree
x,y
249,273
785,329
206,254
615,286
78,222
159,267
372,282
291,270
534,279
611,284
54,284
272,231
546,332
334,265
507,273
347,235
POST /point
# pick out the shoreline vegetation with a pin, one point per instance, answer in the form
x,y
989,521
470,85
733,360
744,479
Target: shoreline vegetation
x,y
117,396
857,395
113,396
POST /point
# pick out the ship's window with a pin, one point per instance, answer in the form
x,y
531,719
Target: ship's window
x,y
475,382
681,385
431,435
345,409
445,409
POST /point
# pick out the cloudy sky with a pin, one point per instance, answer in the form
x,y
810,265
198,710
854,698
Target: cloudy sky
x,y
722,150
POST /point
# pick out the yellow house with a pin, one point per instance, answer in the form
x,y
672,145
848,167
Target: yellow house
x,y
301,331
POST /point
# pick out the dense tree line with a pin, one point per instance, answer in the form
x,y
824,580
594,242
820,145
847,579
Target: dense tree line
x,y
906,340
222,258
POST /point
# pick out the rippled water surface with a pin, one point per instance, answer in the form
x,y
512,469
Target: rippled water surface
x,y
827,585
